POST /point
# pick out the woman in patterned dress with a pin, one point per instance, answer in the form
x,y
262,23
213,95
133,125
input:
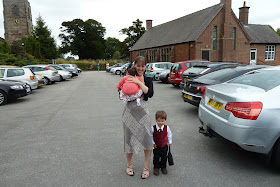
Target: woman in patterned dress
x,y
137,121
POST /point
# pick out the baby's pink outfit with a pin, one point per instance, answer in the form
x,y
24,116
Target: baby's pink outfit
x,y
129,91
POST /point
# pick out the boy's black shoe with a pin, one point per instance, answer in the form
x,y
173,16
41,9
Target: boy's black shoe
x,y
156,171
164,171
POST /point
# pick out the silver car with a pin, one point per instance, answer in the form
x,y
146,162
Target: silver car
x,y
153,68
245,111
50,74
63,73
71,67
163,76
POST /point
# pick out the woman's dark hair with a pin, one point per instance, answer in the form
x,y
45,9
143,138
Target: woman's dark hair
x,y
140,58
132,71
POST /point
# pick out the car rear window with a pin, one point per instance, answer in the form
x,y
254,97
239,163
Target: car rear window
x,y
176,67
52,68
219,75
64,65
266,80
15,72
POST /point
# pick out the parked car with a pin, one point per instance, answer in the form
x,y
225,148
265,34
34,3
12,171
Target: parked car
x,y
117,70
176,71
202,69
63,73
50,74
245,111
124,68
194,88
20,74
163,76
116,65
153,68
79,70
72,68
12,90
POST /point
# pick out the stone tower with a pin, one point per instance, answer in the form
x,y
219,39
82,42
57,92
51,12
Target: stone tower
x,y
17,19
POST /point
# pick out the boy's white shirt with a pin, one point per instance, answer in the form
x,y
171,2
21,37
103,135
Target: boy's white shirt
x,y
169,133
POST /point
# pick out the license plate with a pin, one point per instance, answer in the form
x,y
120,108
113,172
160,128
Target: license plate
x,y
188,96
185,79
148,70
172,75
215,104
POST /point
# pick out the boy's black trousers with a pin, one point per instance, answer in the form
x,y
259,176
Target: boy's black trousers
x,y
160,157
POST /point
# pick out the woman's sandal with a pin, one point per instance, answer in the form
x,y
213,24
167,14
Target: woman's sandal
x,y
129,170
145,173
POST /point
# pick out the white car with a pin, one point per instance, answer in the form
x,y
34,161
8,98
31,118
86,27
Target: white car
x,y
63,73
19,74
50,73
118,70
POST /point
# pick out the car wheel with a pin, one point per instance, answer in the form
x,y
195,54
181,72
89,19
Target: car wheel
x,y
3,97
118,72
166,79
60,78
47,81
276,154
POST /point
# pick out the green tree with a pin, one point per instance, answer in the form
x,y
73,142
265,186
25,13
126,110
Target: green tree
x,y
112,45
32,46
85,39
5,48
278,31
47,43
133,33
117,55
17,48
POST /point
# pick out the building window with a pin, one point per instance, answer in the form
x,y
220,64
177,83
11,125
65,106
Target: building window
x,y
152,55
214,38
15,11
234,37
142,53
269,52
165,54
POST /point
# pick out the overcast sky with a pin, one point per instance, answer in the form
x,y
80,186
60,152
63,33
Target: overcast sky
x,y
117,14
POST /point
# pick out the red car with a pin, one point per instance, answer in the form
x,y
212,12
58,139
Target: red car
x,y
177,69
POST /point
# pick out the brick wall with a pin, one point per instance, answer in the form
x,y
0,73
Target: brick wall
x,y
261,54
225,43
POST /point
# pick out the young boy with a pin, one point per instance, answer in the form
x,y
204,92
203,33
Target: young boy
x,y
161,135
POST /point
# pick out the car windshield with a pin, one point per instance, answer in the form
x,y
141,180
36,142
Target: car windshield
x,y
266,80
196,70
219,75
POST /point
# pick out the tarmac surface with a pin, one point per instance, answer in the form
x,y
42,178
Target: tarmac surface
x,y
71,134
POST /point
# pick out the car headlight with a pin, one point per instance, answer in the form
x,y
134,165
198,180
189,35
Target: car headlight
x,y
17,87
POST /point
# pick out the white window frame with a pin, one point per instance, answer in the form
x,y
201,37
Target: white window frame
x,y
269,52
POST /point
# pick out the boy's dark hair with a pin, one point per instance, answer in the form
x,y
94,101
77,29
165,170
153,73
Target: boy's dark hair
x,y
161,114
132,71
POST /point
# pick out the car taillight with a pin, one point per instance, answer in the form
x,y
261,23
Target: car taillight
x,y
201,88
203,96
152,70
245,110
73,66
47,68
32,78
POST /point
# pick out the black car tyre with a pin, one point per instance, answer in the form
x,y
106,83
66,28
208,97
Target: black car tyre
x,y
48,82
60,78
118,72
3,97
276,154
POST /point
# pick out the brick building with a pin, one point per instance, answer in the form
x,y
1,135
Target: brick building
x,y
215,34
17,19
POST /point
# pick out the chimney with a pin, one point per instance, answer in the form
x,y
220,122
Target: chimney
x,y
244,14
149,24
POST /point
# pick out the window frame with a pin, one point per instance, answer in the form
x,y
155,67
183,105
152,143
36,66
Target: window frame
x,y
214,38
269,54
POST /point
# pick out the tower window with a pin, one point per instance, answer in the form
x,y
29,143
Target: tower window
x,y
15,11
214,38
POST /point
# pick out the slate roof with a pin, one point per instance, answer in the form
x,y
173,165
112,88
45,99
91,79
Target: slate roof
x,y
261,34
185,29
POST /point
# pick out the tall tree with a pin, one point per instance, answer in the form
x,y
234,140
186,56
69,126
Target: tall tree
x,y
278,31
112,45
4,47
85,39
133,33
32,46
47,43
